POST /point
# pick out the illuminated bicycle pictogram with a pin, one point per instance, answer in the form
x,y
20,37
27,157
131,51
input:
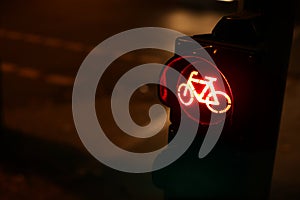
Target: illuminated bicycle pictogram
x,y
187,92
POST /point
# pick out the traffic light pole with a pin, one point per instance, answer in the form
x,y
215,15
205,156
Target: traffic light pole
x,y
279,23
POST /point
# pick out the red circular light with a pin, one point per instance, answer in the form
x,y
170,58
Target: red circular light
x,y
210,94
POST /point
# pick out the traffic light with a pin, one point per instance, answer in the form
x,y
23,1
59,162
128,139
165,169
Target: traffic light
x,y
238,84
235,46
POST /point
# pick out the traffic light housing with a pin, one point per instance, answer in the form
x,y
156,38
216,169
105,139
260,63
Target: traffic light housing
x,y
241,163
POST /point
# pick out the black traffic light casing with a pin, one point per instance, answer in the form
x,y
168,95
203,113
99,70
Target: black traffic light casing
x,y
240,165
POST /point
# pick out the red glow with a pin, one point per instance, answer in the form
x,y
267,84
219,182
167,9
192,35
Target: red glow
x,y
163,92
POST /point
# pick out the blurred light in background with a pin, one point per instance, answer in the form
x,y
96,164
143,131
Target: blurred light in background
x,y
191,22
226,0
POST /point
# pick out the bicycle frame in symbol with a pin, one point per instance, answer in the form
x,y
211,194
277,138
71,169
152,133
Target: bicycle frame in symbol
x,y
211,99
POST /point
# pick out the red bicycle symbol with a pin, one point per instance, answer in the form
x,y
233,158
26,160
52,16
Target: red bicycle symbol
x,y
211,99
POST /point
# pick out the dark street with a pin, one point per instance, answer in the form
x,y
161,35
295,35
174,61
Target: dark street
x,y
43,44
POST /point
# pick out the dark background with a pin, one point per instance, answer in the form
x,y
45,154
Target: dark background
x,y
43,43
